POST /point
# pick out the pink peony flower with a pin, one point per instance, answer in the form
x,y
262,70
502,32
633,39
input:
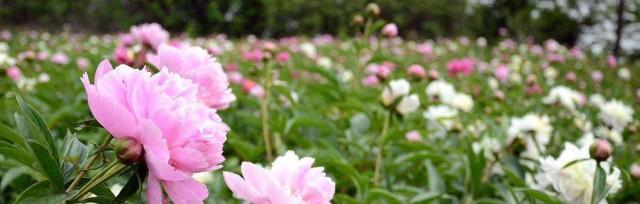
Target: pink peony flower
x,y
83,63
597,76
501,72
235,77
196,64
43,55
60,58
370,80
283,57
122,54
426,49
417,71
255,55
570,76
612,61
390,30
460,66
413,136
289,180
162,113
14,73
252,88
151,34
433,74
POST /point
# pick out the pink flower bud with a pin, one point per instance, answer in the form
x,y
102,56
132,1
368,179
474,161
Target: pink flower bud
x,y
370,80
612,61
634,170
571,76
128,150
501,72
596,76
417,71
283,57
433,74
14,73
413,136
600,150
390,30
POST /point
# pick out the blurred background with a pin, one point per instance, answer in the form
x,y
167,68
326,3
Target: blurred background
x,y
601,26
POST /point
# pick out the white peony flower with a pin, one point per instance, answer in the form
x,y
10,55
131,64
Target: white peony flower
x,y
408,104
574,184
441,114
440,89
461,101
535,131
624,73
396,88
565,96
596,100
616,115
308,49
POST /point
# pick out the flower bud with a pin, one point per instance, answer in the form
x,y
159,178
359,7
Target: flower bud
x,y
373,9
128,150
634,170
600,150
357,20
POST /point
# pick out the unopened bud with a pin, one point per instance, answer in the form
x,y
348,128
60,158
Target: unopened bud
x,y
128,150
634,170
373,9
357,20
600,150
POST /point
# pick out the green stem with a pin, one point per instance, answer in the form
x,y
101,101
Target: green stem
x,y
112,170
88,166
265,111
385,127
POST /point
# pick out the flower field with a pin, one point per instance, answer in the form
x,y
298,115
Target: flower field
x,y
148,116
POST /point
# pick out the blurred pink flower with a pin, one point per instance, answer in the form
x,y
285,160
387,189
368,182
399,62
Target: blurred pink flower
x,y
413,136
83,63
60,58
570,76
597,76
196,64
122,55
461,66
433,74
502,31
283,57
612,61
5,35
417,71
390,30
289,180
43,55
151,34
162,113
14,73
426,49
370,80
501,72
235,77
634,170
252,88
254,55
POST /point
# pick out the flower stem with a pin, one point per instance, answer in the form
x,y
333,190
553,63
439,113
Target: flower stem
x,y
265,111
385,127
86,168
112,170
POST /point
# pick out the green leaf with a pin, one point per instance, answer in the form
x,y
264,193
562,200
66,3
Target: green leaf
x,y
41,125
575,162
426,197
75,152
435,181
475,168
539,195
41,193
48,164
385,195
600,188
8,134
19,155
133,186
10,175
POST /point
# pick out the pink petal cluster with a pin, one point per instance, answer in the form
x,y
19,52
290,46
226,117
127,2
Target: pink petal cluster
x,y
390,30
255,55
612,61
463,66
83,63
291,180
151,34
14,73
196,64
417,71
123,55
161,112
60,58
501,72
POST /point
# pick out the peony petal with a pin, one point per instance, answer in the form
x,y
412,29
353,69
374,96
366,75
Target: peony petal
x,y
256,176
157,153
103,68
237,185
115,118
154,191
186,191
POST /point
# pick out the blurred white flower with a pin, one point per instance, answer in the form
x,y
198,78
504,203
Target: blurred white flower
x,y
616,114
440,90
44,78
574,184
565,96
461,101
396,88
624,73
596,100
488,146
325,62
441,114
408,104
535,132
308,49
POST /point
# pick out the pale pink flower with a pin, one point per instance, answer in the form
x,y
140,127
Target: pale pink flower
x,y
252,88
390,30
501,72
370,80
570,76
14,73
83,63
426,49
151,34
123,55
417,71
162,113
255,55
634,170
283,57
290,180
413,136
612,61
235,77
43,55
196,64
60,58
597,76
433,74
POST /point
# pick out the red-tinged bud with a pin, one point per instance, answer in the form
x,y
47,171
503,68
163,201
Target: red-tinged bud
x,y
128,150
600,150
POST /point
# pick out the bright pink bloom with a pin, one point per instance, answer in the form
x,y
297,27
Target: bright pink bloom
x,y
283,57
417,71
60,58
196,64
370,80
180,135
83,63
291,180
390,30
501,72
123,55
151,34
255,55
14,73
612,61
413,136
460,66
